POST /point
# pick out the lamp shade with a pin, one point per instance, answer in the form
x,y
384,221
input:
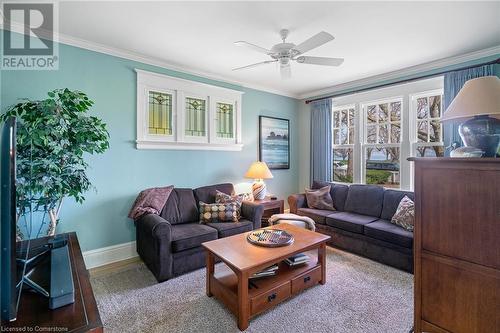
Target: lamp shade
x,y
259,170
478,97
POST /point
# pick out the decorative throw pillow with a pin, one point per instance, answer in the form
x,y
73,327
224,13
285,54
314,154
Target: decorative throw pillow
x,y
218,212
405,214
320,198
223,198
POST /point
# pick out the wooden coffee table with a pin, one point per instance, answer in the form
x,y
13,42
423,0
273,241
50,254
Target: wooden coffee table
x,y
231,285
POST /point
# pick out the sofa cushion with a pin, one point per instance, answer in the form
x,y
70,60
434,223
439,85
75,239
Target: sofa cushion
x,y
392,198
319,198
349,221
365,200
318,215
225,229
181,207
207,193
389,232
338,192
190,235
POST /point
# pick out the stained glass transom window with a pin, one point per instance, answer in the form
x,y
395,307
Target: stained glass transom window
x,y
224,122
195,117
160,113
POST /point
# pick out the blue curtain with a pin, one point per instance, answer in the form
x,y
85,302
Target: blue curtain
x,y
453,82
321,140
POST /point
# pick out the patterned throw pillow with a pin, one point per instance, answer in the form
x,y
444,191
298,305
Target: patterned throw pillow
x,y
221,197
218,212
405,214
320,198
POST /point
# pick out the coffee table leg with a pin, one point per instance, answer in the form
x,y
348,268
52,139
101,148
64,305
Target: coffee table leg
x,y
322,262
243,314
210,271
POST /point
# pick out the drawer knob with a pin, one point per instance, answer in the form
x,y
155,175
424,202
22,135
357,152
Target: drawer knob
x,y
307,279
271,297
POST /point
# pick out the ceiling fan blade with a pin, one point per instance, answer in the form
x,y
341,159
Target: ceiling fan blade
x,y
313,42
286,71
253,47
254,65
323,61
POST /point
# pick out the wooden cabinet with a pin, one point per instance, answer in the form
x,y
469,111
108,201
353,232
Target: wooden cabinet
x,y
306,280
268,299
457,245
81,316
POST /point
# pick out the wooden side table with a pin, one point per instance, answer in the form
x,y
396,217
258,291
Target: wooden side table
x,y
271,207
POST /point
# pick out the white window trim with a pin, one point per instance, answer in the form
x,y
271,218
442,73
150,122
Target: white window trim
x,y
413,119
404,91
143,117
414,144
236,124
183,137
355,125
179,88
364,144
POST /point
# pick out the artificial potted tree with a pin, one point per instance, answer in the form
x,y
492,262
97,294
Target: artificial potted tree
x,y
53,136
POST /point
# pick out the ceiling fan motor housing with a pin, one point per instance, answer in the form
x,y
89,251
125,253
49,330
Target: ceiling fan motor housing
x,y
283,52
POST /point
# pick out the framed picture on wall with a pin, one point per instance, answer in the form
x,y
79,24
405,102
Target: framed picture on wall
x,y
274,142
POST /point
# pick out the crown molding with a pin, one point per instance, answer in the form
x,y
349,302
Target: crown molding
x,y
148,60
134,56
408,71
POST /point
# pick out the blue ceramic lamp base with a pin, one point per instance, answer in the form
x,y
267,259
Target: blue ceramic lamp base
x,y
481,132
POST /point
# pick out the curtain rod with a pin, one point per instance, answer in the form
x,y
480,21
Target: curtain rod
x,y
497,61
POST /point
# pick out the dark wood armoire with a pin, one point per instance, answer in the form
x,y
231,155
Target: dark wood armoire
x,y
457,245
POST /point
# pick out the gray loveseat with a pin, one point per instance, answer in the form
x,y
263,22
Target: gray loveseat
x,y
360,223
170,244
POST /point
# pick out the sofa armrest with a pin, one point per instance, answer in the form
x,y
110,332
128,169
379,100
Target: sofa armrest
x,y
155,225
154,239
296,201
253,212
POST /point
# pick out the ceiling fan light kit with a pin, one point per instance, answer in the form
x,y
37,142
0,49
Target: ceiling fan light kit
x,y
284,52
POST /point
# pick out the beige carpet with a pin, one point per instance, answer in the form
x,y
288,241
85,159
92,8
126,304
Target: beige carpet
x,y
360,296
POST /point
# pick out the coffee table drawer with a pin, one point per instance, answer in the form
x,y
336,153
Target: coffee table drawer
x,y
306,280
269,299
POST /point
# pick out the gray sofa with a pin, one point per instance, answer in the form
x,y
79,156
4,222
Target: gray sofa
x,y
170,244
361,222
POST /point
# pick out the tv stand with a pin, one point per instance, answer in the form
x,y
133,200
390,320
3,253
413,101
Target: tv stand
x,y
80,316
55,272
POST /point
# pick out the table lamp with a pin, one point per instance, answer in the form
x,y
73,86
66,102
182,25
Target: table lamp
x,y
478,106
259,171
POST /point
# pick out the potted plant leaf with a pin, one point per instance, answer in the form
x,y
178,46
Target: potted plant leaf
x,y
53,136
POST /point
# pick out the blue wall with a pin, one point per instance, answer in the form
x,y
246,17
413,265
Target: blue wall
x,y
123,171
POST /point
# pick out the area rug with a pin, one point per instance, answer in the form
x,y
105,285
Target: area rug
x,y
360,296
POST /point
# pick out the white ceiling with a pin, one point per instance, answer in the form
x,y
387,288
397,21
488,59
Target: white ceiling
x,y
373,37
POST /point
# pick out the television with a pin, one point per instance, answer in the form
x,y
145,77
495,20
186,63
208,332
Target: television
x,y
27,261
8,221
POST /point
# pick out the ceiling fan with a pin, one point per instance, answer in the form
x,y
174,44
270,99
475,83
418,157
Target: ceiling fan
x,y
284,52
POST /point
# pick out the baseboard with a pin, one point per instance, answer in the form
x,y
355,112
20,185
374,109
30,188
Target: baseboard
x,y
109,254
